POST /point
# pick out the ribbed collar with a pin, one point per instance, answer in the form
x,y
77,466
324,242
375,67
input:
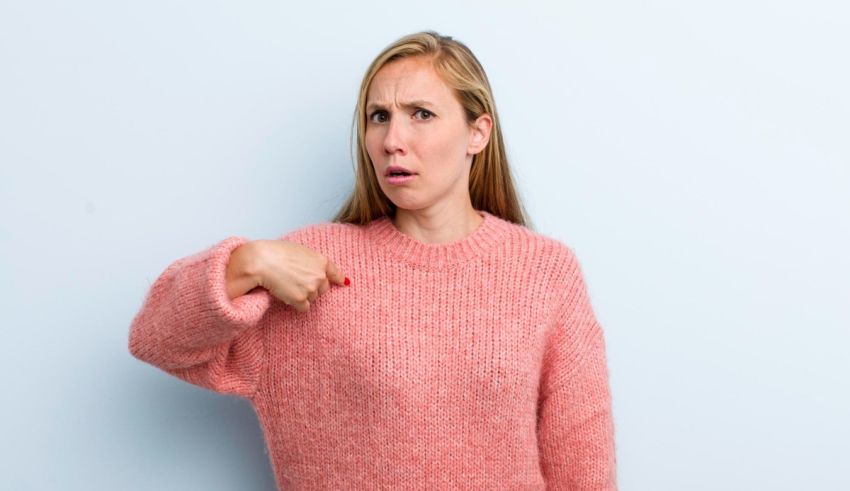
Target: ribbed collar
x,y
401,246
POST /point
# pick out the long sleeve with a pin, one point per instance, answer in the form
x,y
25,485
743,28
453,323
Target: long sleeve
x,y
188,327
575,423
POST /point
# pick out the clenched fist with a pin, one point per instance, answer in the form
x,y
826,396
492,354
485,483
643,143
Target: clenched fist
x,y
291,272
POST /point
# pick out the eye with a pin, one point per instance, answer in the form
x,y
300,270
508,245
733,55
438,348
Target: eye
x,y
425,111
372,116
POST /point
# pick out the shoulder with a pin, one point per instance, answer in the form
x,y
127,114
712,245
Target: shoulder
x,y
550,251
315,234
336,240
555,259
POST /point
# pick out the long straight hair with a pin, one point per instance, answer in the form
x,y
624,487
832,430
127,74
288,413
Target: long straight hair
x,y
491,185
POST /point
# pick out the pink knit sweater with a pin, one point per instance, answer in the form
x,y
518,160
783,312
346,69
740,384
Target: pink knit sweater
x,y
476,364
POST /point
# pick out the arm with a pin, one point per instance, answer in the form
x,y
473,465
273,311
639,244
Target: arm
x,y
575,423
189,326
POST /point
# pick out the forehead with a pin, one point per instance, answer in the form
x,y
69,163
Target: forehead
x,y
406,80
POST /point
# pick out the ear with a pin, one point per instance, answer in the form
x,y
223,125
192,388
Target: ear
x,y
479,134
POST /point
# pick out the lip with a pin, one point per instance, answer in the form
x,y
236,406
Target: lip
x,y
397,168
400,179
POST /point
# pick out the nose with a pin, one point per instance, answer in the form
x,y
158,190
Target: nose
x,y
394,137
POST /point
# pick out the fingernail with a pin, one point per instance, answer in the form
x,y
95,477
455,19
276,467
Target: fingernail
x,y
347,281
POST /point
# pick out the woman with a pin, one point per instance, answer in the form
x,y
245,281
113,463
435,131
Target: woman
x,y
464,351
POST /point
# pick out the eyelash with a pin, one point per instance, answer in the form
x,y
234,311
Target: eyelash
x,y
371,116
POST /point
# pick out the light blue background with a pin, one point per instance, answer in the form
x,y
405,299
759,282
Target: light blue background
x,y
694,154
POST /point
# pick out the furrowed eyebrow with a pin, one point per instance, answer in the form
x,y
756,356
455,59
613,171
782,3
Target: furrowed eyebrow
x,y
411,104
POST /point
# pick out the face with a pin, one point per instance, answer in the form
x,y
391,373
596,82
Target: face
x,y
414,121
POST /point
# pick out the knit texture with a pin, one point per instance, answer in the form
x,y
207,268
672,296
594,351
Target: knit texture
x,y
477,364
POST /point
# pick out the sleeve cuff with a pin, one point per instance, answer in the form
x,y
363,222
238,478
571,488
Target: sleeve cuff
x,y
211,302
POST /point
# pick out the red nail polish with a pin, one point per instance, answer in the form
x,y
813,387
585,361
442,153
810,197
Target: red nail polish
x,y
347,281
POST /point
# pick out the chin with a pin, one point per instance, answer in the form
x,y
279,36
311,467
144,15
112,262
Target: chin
x,y
405,204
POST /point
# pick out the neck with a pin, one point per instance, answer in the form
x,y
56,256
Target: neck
x,y
438,256
437,228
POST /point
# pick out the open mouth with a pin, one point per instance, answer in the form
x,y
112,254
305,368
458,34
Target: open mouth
x,y
399,177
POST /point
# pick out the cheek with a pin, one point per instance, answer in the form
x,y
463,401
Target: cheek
x,y
446,150
372,146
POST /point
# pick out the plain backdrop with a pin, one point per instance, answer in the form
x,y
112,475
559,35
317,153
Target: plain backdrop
x,y
694,154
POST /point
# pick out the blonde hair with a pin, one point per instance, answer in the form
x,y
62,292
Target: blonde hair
x,y
491,185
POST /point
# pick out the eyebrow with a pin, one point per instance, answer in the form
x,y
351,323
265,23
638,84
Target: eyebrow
x,y
410,104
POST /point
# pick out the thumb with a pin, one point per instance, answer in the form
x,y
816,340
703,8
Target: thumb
x,y
334,274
